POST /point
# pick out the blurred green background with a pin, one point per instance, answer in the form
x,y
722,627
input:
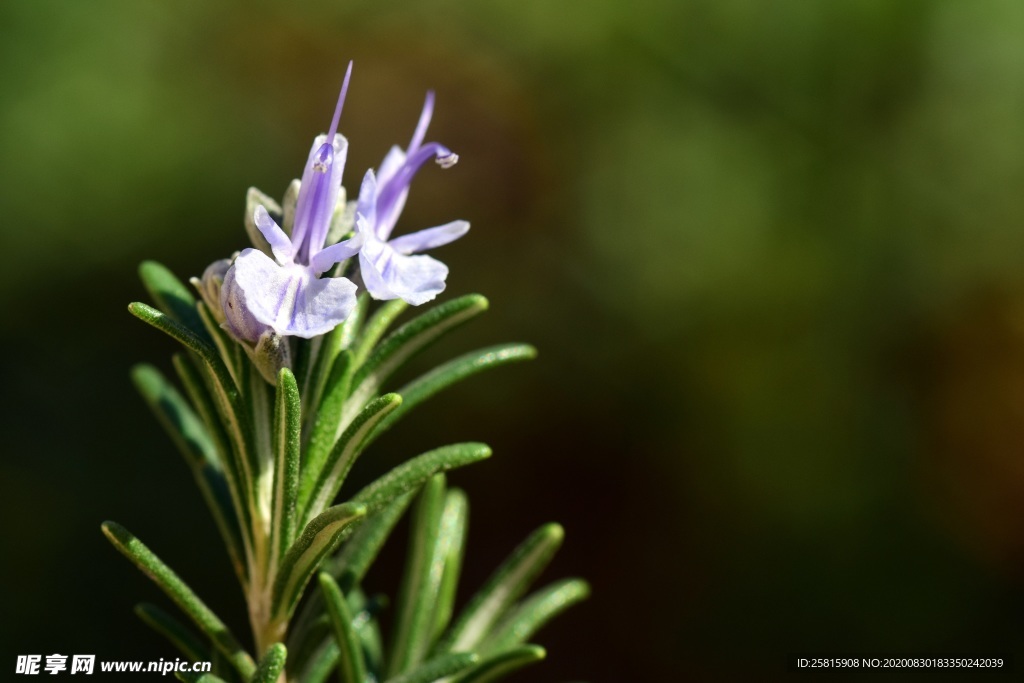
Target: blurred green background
x,y
772,255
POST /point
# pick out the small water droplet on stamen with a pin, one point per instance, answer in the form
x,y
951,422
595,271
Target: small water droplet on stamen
x,y
448,160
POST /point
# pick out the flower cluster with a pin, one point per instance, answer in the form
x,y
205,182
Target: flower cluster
x,y
285,289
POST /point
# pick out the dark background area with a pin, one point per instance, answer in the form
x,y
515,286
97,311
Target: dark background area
x,y
772,255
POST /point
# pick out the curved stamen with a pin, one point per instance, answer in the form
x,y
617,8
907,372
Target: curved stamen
x,y
392,190
447,160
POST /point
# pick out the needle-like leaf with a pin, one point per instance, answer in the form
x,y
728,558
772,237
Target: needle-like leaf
x,y
175,415
403,343
230,352
173,630
438,668
498,666
189,677
325,425
171,295
375,328
451,546
412,473
286,442
225,392
452,372
424,568
535,611
176,589
271,666
351,667
319,538
353,561
505,586
320,487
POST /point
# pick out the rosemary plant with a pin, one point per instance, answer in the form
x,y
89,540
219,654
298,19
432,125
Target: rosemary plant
x,y
285,381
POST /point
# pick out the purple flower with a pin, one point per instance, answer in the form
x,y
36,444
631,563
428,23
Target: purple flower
x,y
389,269
286,294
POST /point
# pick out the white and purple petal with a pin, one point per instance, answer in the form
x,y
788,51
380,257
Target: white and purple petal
x,y
430,238
290,299
278,240
390,275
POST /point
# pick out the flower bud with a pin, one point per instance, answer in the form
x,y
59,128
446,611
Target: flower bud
x,y
209,286
238,320
270,355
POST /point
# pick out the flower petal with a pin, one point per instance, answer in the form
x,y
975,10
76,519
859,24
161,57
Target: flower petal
x,y
321,306
390,275
290,299
237,319
366,203
318,195
279,242
392,162
429,238
335,253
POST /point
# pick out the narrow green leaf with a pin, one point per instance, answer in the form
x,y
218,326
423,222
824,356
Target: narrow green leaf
x,y
376,326
330,346
351,564
174,631
189,677
231,353
498,666
272,665
171,295
438,668
353,325
412,473
320,487
322,663
236,461
232,413
325,427
190,435
203,403
451,546
259,399
452,372
505,586
320,659
287,438
413,629
216,491
535,611
368,629
319,538
223,386
304,353
176,331
223,482
175,415
403,343
351,667
176,589
304,643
